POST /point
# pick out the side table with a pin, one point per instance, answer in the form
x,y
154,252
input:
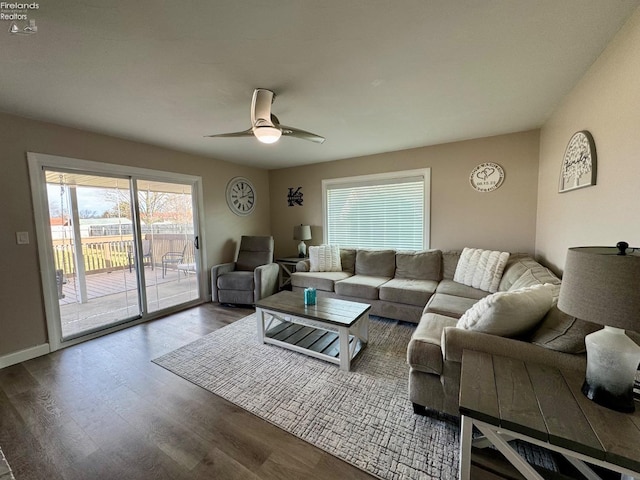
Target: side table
x,y
507,399
287,267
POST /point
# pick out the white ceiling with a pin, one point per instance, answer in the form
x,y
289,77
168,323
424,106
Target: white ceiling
x,y
370,75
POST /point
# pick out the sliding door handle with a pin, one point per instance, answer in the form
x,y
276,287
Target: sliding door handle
x,y
196,243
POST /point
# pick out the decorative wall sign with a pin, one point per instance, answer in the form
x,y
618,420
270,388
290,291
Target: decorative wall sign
x,y
241,196
579,163
294,197
487,177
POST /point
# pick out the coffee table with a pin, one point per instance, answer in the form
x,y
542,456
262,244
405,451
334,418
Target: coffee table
x,y
506,398
333,330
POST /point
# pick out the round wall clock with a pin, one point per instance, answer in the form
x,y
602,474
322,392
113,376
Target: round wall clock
x,y
241,196
486,177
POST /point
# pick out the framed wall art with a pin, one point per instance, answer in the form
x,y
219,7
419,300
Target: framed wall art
x,y
579,163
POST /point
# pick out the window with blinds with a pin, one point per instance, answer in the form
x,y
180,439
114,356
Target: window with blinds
x,y
378,211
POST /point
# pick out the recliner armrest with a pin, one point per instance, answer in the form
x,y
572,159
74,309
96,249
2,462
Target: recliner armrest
x,y
266,280
216,271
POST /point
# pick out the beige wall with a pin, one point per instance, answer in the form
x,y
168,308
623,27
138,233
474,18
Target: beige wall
x,y
460,216
606,102
22,321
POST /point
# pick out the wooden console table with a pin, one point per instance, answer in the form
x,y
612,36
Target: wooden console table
x,y
509,399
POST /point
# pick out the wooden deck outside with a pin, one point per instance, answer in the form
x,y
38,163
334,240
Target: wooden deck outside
x,y
113,297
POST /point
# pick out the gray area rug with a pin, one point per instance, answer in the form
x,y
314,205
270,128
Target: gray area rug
x,y
362,416
5,470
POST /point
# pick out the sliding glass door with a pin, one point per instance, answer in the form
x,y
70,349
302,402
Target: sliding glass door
x,y
93,251
121,247
169,243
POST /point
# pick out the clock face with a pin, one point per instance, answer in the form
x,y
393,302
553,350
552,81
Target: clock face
x,y
241,197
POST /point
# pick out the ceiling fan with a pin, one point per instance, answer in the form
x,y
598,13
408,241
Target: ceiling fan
x,y
265,126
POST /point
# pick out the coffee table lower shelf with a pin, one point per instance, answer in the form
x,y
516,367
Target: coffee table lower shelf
x,y
333,330
312,341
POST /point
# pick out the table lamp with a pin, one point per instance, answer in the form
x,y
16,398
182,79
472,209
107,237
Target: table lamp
x,y
302,233
602,285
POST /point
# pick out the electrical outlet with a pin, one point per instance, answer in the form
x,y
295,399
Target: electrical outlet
x,y
22,238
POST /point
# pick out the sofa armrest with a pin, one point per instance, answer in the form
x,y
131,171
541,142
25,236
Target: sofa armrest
x,y
303,266
455,340
216,271
265,280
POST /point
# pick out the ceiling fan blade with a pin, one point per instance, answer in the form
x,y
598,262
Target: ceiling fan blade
x,y
261,107
265,125
246,133
297,133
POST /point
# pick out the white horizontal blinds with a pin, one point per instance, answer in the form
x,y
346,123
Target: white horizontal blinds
x,y
377,214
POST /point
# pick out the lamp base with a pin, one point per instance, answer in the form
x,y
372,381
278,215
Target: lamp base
x,y
302,249
612,360
620,403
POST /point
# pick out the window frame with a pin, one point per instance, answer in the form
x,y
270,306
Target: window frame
x,y
381,178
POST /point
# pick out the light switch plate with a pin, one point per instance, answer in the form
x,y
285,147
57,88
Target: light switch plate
x,y
22,238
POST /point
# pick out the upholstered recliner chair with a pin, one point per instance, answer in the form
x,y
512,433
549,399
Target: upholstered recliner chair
x,y
251,277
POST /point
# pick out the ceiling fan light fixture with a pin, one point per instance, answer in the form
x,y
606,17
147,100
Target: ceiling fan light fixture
x,y
267,134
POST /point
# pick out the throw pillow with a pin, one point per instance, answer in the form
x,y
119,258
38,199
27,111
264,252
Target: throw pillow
x,y
325,258
481,269
508,314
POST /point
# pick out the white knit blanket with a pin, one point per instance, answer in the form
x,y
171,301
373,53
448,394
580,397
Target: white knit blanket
x,y
481,269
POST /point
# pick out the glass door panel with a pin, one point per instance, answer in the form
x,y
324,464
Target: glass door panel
x,y
169,262
92,240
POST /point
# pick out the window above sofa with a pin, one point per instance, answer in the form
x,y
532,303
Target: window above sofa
x,y
389,210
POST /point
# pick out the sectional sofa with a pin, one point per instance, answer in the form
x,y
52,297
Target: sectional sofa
x,y
419,287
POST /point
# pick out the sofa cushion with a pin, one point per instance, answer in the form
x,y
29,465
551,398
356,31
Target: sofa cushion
x,y
236,280
325,258
360,286
318,280
450,287
449,305
424,352
419,265
376,263
509,314
348,260
518,265
538,276
563,333
450,263
535,276
481,268
408,291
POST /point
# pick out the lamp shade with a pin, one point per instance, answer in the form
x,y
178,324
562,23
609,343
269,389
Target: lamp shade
x,y
302,232
601,285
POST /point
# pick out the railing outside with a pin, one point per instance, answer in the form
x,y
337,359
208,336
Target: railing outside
x,y
111,254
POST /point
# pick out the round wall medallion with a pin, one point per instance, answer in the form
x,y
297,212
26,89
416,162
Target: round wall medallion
x,y
241,196
486,177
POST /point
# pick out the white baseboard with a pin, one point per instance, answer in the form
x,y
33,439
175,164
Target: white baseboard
x,y
24,355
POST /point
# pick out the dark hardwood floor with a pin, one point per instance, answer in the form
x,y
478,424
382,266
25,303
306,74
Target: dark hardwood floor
x,y
103,410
